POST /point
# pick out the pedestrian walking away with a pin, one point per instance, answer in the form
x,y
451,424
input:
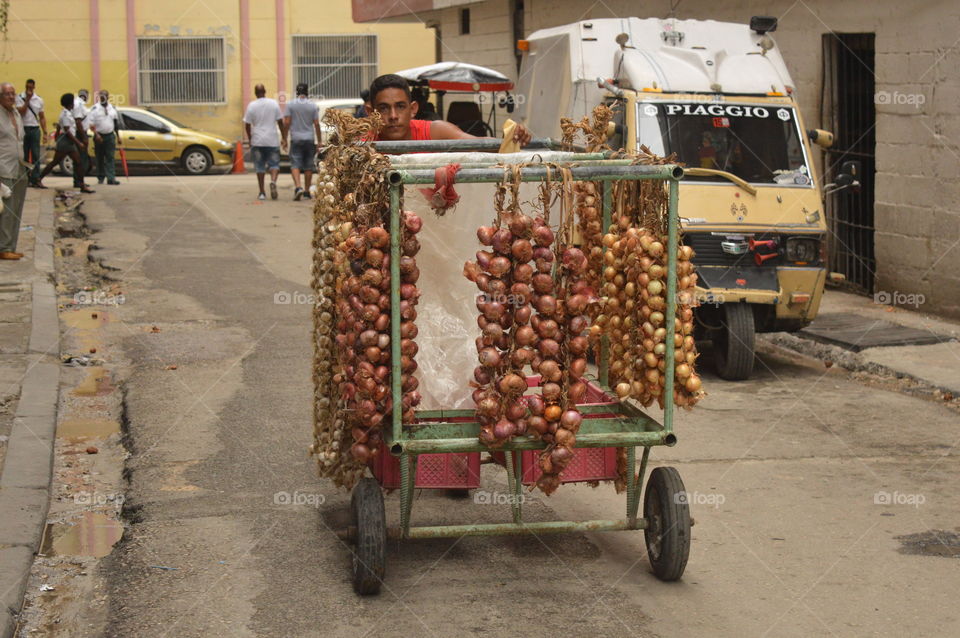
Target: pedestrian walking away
x,y
81,113
105,123
303,122
67,143
261,121
13,172
30,106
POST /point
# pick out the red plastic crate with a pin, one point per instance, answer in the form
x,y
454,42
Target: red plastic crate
x,y
434,471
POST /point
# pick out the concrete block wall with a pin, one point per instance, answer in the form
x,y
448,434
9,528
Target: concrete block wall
x,y
917,213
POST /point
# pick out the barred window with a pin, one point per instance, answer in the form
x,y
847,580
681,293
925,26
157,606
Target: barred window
x,y
181,70
335,66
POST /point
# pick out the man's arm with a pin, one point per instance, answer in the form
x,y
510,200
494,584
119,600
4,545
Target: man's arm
x,y
246,127
318,131
23,106
441,130
281,122
43,123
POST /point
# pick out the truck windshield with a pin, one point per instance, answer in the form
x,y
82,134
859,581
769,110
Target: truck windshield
x,y
760,144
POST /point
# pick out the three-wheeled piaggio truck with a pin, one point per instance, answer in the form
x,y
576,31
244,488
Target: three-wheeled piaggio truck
x,y
719,96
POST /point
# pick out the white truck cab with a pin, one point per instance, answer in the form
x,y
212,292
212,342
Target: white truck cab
x,y
719,96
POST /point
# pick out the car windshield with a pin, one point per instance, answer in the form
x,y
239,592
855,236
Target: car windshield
x,y
760,144
169,119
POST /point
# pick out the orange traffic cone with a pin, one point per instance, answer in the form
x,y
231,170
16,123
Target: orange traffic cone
x,y
238,166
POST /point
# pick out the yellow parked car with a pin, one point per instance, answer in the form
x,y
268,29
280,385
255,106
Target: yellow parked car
x,y
151,139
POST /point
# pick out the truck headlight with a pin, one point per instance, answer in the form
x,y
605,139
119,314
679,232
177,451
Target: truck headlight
x,y
802,249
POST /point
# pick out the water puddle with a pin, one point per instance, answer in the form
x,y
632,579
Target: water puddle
x,y
75,429
936,542
85,319
97,383
92,534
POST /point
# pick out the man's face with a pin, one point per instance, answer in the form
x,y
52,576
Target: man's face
x,y
395,108
83,96
8,96
104,97
30,87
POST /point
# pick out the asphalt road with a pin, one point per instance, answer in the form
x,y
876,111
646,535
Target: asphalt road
x,y
787,473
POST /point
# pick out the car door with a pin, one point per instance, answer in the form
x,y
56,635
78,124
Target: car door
x,y
146,138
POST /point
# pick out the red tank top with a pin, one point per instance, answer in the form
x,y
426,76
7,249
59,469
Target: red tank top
x,y
419,130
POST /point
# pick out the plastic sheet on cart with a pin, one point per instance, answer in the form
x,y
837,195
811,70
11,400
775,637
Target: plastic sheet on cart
x,y
447,312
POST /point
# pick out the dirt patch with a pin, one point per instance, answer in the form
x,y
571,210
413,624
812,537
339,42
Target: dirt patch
x,y
936,542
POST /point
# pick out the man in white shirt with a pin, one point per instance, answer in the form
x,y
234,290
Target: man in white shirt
x,y
260,121
30,106
80,112
104,122
13,175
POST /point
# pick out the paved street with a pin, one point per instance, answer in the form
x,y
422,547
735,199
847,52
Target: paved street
x,y
824,505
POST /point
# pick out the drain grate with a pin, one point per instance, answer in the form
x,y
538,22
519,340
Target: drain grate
x,y
856,333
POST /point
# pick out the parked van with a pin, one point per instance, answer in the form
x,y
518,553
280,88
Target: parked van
x,y
719,96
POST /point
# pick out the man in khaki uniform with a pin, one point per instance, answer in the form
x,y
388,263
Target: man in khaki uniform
x,y
13,173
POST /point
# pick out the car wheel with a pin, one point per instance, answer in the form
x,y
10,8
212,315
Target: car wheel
x,y
66,165
197,160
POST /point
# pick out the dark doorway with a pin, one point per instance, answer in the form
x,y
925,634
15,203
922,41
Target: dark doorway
x,y
847,109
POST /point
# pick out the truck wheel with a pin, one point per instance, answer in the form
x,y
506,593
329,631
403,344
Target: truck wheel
x,y
733,347
370,521
667,512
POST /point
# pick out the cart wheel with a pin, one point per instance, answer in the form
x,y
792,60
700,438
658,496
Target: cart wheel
x,y
369,519
667,513
734,345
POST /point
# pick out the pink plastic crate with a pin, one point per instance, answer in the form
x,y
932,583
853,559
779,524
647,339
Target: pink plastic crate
x,y
434,471
588,464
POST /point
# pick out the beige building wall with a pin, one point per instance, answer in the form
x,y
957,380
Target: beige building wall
x,y
917,211
51,41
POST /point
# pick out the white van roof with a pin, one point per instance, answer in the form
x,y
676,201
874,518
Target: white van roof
x,y
703,56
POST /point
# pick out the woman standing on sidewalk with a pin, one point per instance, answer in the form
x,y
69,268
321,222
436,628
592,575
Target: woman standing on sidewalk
x,y
67,144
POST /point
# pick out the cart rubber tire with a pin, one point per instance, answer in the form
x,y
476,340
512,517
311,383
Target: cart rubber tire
x,y
370,521
667,512
733,349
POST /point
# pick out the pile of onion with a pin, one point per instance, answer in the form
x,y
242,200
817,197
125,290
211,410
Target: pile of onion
x,y
687,385
633,315
590,224
332,433
506,345
409,296
363,338
562,367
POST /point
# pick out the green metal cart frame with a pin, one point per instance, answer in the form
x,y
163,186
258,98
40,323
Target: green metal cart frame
x,y
666,519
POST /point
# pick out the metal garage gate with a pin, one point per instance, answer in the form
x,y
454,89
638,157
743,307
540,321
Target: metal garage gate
x,y
847,109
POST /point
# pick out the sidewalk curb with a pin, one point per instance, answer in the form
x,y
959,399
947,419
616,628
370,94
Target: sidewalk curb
x,y
28,468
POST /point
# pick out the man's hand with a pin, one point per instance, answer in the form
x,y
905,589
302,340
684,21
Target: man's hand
x,y
97,138
522,135
283,145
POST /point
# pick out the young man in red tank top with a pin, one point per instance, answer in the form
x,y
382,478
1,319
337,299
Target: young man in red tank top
x,y
390,97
